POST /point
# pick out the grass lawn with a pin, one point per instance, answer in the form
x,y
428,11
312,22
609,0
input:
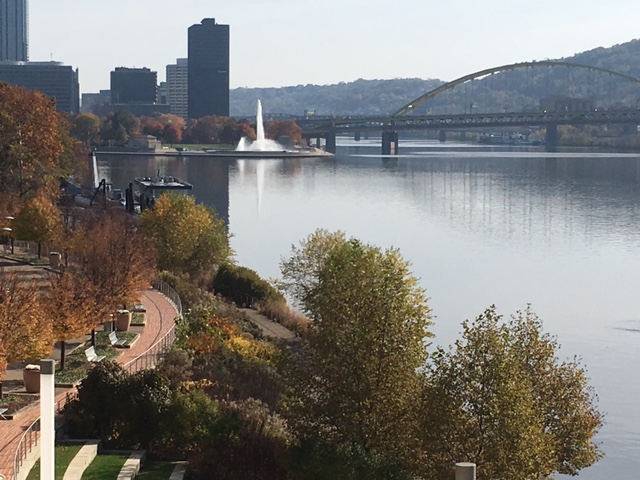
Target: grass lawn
x,y
64,455
156,471
105,467
76,363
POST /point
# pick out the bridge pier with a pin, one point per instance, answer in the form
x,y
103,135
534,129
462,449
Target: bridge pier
x,y
442,136
356,136
551,136
330,145
389,143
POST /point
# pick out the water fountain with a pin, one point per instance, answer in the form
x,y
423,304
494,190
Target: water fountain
x,y
261,144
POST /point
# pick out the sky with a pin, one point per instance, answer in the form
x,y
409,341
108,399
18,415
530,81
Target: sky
x,y
277,43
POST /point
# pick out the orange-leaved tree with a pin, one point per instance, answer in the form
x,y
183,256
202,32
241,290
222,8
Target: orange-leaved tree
x,y
38,220
115,258
25,328
31,144
70,303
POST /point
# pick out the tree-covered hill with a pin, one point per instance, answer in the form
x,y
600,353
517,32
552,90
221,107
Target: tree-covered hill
x,y
508,91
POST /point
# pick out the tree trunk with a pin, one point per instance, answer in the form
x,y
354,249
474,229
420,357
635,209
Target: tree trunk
x,y
62,355
93,337
39,250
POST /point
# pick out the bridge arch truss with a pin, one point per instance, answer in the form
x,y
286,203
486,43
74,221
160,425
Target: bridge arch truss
x,y
409,107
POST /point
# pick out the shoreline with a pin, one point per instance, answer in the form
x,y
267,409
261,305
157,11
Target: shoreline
x,y
247,154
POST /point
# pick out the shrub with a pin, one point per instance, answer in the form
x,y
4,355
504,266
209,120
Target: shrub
x,y
248,442
244,286
123,411
322,461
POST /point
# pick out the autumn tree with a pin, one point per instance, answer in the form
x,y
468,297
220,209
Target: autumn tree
x,y
25,328
503,400
86,128
172,133
190,238
70,304
356,383
31,145
275,129
114,258
37,221
151,126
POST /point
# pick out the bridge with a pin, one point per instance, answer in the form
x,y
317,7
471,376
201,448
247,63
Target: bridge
x,y
570,110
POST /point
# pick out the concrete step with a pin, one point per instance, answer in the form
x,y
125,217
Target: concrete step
x,y
82,460
132,466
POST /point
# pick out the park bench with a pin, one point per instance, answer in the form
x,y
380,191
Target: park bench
x,y
92,356
115,342
2,413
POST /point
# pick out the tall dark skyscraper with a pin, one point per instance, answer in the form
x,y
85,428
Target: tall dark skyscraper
x,y
208,89
14,38
133,85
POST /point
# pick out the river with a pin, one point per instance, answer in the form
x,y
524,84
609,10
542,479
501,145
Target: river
x,y
481,226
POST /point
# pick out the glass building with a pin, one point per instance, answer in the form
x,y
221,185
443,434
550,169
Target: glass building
x,y
14,38
208,67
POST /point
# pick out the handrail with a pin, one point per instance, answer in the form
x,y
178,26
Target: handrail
x,y
145,360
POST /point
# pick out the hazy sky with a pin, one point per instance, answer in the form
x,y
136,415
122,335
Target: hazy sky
x,y
290,42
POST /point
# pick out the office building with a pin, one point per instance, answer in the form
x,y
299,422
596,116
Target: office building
x,y
51,78
14,38
133,85
96,103
178,87
208,82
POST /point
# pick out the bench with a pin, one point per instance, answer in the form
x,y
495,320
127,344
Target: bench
x,y
92,356
115,342
2,412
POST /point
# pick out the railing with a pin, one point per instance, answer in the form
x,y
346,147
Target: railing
x,y
168,292
149,358
143,361
31,436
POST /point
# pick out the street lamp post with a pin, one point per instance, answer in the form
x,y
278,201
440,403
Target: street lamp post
x,y
9,230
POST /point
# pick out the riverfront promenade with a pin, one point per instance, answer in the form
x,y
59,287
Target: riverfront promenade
x,y
160,319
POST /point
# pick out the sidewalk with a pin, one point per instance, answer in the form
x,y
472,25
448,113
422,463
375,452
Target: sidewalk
x,y
160,318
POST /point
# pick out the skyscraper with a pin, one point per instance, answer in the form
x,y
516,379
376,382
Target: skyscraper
x,y
14,36
133,85
178,87
208,69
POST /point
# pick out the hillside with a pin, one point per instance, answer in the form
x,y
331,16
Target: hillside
x,y
503,91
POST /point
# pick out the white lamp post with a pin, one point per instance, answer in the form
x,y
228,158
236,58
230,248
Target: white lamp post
x,y
47,420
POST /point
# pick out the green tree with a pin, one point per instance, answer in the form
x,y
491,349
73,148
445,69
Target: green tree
x,y
502,400
301,271
119,127
190,238
358,381
86,128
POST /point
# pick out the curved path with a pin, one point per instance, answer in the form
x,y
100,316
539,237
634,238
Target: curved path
x,y
160,318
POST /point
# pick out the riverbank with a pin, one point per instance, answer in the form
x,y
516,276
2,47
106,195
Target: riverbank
x,y
242,154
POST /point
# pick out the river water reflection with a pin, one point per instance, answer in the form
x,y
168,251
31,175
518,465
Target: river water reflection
x,y
481,226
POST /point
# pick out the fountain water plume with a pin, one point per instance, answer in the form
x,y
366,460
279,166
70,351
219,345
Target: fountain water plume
x,y
261,143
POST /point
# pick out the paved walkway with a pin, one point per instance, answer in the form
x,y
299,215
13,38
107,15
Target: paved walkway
x,y
159,320
269,327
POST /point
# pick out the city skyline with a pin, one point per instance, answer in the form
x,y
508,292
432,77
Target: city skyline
x,y
275,44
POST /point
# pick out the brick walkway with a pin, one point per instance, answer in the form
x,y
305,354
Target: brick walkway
x,y
159,320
